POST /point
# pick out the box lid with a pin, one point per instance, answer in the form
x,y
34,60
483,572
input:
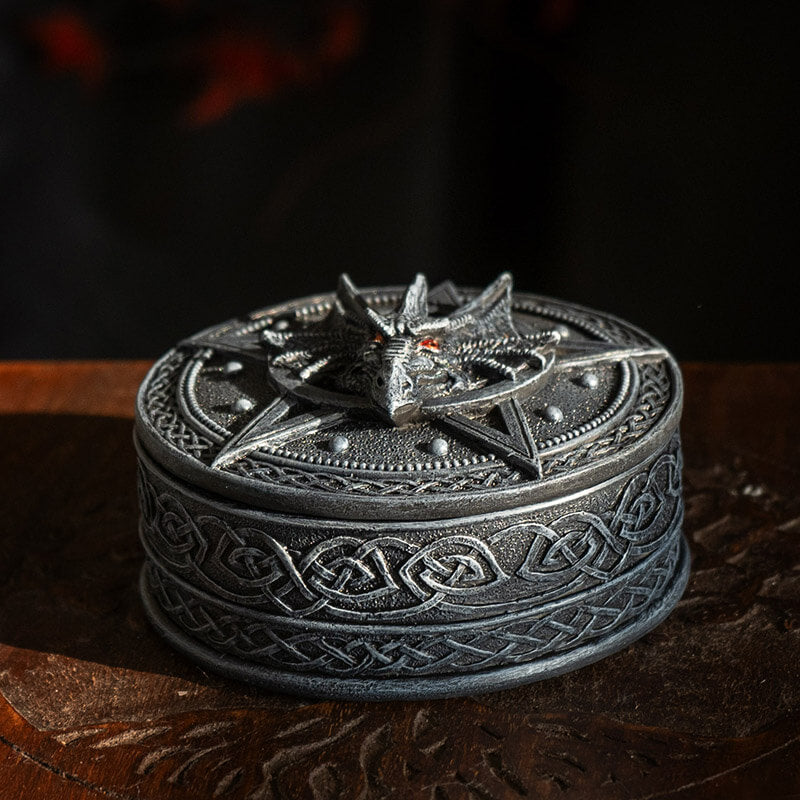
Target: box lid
x,y
409,403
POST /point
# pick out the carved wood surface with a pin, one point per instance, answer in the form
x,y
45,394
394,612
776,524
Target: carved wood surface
x,y
94,705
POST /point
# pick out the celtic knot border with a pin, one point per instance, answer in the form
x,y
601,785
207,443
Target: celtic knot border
x,y
161,405
385,651
390,577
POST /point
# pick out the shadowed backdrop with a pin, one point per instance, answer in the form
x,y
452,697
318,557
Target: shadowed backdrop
x,y
167,165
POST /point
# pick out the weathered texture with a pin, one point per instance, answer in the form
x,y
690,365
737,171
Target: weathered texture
x,y
302,535
94,705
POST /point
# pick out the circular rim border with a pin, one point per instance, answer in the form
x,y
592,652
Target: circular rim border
x,y
313,502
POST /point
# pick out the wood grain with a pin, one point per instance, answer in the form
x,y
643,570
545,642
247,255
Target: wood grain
x,y
93,705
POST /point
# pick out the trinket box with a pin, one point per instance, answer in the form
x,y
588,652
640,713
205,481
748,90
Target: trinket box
x,y
410,492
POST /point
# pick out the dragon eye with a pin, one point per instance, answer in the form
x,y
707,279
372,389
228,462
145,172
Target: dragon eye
x,y
378,338
430,344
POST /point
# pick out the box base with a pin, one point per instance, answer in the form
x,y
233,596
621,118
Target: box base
x,y
423,687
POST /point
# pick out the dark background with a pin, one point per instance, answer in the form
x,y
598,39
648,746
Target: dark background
x,y
167,165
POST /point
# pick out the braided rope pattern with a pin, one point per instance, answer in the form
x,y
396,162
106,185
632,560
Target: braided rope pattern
x,y
605,328
161,406
444,482
654,395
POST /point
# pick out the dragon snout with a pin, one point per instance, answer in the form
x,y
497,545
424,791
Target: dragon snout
x,y
395,391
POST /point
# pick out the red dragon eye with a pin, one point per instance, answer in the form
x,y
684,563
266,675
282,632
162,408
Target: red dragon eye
x,y
430,344
378,338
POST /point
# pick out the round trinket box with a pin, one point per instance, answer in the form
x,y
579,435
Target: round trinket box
x,y
404,492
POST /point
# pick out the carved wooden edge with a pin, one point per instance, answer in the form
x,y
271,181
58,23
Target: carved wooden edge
x,y
765,763
412,750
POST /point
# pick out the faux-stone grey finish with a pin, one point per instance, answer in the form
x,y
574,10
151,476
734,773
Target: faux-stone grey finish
x,y
529,523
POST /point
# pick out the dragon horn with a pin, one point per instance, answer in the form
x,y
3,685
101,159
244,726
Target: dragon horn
x,y
414,305
356,307
495,295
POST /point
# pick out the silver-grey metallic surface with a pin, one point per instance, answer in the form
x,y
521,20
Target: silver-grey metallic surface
x,y
407,493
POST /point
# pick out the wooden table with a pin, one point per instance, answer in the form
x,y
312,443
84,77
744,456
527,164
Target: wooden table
x,y
93,705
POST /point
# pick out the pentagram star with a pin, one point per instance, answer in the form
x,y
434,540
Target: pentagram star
x,y
291,416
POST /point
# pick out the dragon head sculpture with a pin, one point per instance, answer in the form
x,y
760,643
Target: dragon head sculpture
x,y
406,362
